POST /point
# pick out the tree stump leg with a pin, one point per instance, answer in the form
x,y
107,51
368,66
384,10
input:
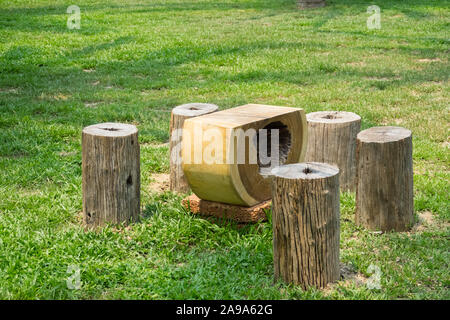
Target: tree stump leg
x,y
384,194
332,139
305,217
179,114
111,174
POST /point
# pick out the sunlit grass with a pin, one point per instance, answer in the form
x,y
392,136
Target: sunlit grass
x,y
132,62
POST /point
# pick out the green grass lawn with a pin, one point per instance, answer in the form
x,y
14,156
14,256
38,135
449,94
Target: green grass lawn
x,y
132,61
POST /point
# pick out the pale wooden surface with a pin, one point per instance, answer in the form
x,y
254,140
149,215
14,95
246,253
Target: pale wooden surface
x,y
384,194
179,114
332,139
227,211
233,183
111,174
306,227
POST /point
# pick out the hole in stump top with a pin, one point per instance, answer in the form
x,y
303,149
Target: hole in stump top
x,y
332,116
305,170
110,129
194,109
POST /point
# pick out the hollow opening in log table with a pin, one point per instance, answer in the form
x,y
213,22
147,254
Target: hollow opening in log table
x,y
283,144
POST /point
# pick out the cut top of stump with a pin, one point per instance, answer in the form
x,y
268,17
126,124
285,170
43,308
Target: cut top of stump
x,y
194,109
110,129
332,116
383,134
305,170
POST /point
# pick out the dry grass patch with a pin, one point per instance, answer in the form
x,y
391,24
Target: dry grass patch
x,y
92,104
160,183
427,222
349,278
425,60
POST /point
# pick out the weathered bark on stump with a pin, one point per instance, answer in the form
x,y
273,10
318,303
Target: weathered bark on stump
x,y
384,194
178,181
332,139
111,174
306,4
305,217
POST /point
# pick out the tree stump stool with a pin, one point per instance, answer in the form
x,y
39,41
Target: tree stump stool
x,y
306,4
178,181
332,139
384,194
111,174
305,217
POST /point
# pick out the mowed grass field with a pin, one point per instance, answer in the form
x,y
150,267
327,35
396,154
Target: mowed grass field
x,y
132,61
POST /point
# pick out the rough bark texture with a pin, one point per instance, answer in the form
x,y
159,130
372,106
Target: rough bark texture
x,y
111,174
178,181
384,194
227,211
332,139
305,4
305,217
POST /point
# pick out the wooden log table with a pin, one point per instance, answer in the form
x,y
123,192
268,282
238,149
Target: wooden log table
x,y
222,151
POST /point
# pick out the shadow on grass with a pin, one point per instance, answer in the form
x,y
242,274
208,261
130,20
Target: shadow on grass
x,y
29,115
